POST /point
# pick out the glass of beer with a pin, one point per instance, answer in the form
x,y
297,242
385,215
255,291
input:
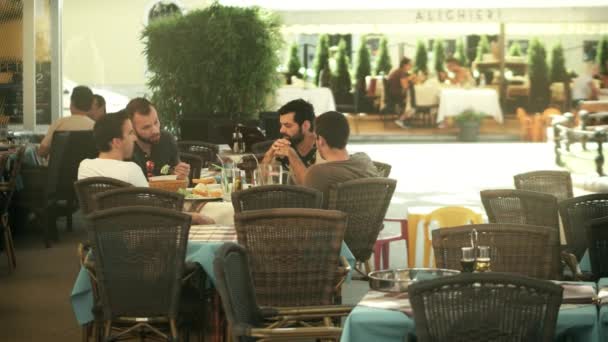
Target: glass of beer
x,y
483,260
468,259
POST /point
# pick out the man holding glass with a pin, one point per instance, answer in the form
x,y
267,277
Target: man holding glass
x,y
296,150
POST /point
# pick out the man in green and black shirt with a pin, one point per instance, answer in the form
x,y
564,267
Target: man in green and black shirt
x,y
296,151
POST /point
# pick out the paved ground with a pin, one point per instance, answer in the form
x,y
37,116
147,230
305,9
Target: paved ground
x,y
34,301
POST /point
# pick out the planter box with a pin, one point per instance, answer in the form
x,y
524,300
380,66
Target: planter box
x,y
469,131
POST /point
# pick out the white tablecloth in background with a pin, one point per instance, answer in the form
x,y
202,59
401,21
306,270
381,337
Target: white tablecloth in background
x,y
322,99
454,100
220,212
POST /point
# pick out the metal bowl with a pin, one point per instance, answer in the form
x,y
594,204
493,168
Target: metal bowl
x,y
399,280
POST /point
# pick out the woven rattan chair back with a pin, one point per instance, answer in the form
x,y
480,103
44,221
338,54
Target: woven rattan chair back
x,y
532,251
139,260
365,201
597,234
520,207
196,164
293,254
576,214
556,183
276,196
485,307
234,282
149,197
384,170
87,188
207,151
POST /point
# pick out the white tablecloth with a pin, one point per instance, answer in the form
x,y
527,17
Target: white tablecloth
x,y
322,99
221,212
454,100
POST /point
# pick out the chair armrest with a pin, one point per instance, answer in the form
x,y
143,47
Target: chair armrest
x,y
306,312
295,333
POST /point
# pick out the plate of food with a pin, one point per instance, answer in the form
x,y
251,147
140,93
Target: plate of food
x,y
203,192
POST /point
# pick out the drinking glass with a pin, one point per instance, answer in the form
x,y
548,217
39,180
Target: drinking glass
x,y
268,175
468,259
483,260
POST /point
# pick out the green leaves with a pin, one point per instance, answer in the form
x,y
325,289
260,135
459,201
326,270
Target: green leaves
x,y
483,47
217,62
363,65
558,65
515,50
341,78
460,54
602,55
468,115
422,58
294,65
538,71
383,63
439,55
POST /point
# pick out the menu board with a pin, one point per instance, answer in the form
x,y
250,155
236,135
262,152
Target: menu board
x,y
43,93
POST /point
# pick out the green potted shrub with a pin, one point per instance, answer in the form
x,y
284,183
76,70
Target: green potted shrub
x,y
515,50
321,62
383,63
439,56
294,65
538,71
483,47
469,122
460,54
602,58
362,69
216,63
340,84
422,58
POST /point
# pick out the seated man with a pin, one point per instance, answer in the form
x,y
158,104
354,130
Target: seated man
x,y
80,105
332,133
98,108
114,138
401,89
296,151
154,149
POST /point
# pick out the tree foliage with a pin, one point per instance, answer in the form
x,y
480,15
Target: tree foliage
x,y
363,65
602,55
439,55
538,71
294,65
341,78
422,58
460,54
558,65
515,50
213,62
383,63
321,56
483,47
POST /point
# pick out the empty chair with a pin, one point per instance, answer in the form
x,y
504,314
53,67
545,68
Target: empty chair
x,y
365,201
88,187
276,196
597,235
196,164
131,196
207,151
485,307
140,254
293,254
446,217
556,183
532,251
576,214
384,170
520,207
234,283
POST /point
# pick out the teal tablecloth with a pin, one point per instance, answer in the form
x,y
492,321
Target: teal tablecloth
x,y
603,315
577,323
202,253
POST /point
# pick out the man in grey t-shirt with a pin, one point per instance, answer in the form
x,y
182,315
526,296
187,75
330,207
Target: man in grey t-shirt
x,y
332,133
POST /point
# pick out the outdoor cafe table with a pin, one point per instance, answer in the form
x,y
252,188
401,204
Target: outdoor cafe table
x,y
452,101
203,242
577,322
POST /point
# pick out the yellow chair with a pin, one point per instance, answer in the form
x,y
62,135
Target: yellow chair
x,y
446,217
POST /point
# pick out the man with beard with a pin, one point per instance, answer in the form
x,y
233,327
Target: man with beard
x,y
154,149
296,151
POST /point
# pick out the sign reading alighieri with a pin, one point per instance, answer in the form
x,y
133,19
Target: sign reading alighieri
x,y
457,15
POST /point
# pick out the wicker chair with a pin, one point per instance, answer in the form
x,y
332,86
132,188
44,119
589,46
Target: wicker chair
x,y
149,197
276,196
140,254
195,162
532,251
384,170
10,164
556,183
207,151
485,307
365,201
576,213
246,319
597,235
88,187
521,207
293,254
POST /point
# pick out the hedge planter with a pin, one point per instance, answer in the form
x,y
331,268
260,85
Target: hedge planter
x,y
469,131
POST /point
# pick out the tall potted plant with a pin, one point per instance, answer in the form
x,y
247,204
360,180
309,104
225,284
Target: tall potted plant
x,y
439,55
363,68
602,59
461,54
218,62
559,73
422,58
469,122
294,65
483,47
341,78
538,72
515,50
321,62
383,63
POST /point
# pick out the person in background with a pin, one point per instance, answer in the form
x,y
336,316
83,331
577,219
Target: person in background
x,y
461,76
332,133
80,105
115,140
400,83
98,109
155,150
583,86
296,151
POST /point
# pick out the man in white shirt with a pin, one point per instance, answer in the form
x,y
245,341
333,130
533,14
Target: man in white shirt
x,y
80,105
583,87
115,139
